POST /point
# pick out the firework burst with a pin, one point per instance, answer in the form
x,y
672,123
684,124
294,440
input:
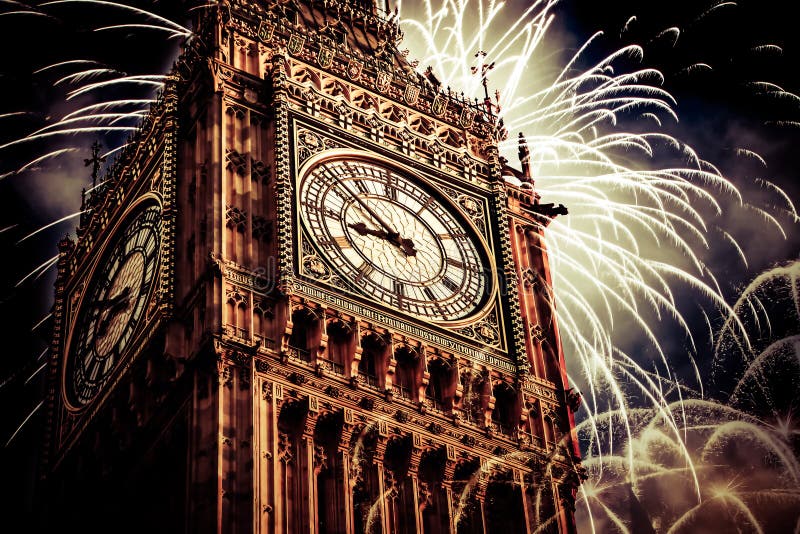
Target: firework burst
x,y
646,210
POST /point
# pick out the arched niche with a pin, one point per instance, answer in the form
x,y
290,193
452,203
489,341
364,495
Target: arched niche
x,y
505,415
407,372
340,346
306,334
441,384
474,400
372,365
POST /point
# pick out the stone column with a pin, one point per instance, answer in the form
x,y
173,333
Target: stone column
x,y
447,483
307,471
343,463
413,474
265,458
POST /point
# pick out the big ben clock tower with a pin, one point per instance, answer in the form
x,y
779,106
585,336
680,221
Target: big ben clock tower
x,y
309,300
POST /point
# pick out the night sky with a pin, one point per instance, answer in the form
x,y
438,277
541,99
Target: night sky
x,y
720,111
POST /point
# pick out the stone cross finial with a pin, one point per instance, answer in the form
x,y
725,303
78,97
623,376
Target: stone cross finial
x,y
95,162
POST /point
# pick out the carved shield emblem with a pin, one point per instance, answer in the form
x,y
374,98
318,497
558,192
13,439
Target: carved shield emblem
x,y
265,29
439,105
411,94
466,118
296,43
354,68
325,56
382,80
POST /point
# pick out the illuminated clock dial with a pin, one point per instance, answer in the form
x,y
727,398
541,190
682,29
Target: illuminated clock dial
x,y
393,239
113,305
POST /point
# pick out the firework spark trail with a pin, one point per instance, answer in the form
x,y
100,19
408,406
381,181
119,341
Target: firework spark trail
x,y
40,269
124,7
31,164
183,33
31,414
87,74
45,227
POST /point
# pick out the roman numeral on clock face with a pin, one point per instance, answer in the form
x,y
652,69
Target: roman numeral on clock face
x,y
340,241
362,187
364,271
455,263
399,291
449,284
429,293
391,190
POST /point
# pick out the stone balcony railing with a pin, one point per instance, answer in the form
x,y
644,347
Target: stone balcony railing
x,y
331,366
368,380
401,392
435,405
304,355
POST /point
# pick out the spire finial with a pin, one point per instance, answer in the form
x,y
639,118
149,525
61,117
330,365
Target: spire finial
x,y
524,158
95,162
485,68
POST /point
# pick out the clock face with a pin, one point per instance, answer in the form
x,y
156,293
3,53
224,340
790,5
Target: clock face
x,y
113,305
393,239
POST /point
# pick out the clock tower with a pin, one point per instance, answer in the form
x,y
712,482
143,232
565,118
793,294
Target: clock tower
x,y
310,298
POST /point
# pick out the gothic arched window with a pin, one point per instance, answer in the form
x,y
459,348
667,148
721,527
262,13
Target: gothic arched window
x,y
504,418
438,391
405,374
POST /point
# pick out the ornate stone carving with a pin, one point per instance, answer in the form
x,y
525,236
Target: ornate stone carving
x,y
262,229
266,389
285,448
486,331
537,333
235,218
320,459
529,278
244,379
259,171
235,161
225,376
236,295
573,399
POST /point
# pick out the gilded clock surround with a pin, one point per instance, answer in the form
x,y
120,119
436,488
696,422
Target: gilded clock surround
x,y
90,317
450,257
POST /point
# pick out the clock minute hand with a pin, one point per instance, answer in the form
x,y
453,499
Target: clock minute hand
x,y
370,211
394,238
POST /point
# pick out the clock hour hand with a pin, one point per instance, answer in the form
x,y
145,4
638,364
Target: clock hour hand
x,y
406,245
388,233
119,304
394,238
107,303
362,229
